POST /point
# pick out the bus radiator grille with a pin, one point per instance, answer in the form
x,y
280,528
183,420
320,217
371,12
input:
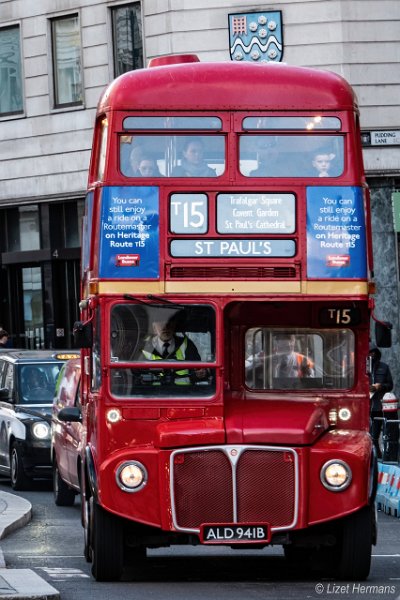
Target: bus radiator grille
x,y
202,488
204,480
233,273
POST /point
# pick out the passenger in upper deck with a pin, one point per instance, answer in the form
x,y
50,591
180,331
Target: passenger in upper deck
x,y
322,164
270,161
134,158
148,167
193,163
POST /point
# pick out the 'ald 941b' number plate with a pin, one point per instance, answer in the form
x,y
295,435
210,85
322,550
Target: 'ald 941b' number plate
x,y
247,533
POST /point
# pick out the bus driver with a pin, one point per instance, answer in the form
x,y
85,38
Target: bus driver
x,y
165,344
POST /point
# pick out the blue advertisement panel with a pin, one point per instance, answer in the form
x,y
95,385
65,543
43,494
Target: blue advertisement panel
x,y
129,233
336,245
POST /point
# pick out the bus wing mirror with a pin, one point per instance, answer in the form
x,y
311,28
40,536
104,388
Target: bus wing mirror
x,y
5,394
383,334
70,414
83,334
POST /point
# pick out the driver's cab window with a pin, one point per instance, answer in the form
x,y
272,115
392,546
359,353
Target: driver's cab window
x,y
299,358
173,334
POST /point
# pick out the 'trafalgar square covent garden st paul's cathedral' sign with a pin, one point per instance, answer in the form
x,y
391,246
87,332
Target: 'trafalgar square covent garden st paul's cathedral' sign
x,y
256,37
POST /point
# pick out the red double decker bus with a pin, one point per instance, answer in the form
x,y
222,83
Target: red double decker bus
x,y
226,272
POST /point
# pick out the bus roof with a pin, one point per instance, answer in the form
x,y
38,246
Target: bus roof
x,y
228,86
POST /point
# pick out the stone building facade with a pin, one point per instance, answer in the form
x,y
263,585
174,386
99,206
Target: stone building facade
x,y
64,53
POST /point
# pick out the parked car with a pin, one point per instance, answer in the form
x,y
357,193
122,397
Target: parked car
x,y
27,385
66,434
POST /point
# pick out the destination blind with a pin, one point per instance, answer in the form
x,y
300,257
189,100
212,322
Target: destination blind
x,y
254,215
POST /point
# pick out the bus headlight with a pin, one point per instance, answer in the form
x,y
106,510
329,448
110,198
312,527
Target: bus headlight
x,y
131,476
336,475
41,430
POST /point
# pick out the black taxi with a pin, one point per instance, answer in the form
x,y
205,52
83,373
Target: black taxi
x,y
27,385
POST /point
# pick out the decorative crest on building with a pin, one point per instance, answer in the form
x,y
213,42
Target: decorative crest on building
x,y
256,37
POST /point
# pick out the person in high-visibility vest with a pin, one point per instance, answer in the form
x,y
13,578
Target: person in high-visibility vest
x,y
380,382
165,344
292,363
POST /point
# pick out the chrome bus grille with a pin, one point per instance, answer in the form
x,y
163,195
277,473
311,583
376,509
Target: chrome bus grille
x,y
234,484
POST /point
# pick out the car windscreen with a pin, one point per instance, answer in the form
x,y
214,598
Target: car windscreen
x,y
37,382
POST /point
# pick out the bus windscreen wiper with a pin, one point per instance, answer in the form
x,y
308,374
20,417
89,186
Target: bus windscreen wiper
x,y
169,302
163,303
139,300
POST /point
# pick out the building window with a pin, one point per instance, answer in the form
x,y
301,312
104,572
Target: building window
x,y
10,72
20,229
67,62
127,38
33,307
65,224
29,227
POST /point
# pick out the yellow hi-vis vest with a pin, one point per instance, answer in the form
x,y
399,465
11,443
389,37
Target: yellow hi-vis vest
x,y
181,375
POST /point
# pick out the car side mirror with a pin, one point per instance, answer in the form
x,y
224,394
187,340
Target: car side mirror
x,y
5,395
70,414
83,334
383,334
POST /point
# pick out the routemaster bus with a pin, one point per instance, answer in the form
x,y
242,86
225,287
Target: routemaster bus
x,y
227,216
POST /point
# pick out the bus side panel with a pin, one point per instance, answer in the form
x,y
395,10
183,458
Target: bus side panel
x,y
143,505
352,447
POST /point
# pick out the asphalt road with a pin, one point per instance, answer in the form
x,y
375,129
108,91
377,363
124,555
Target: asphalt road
x,y
52,546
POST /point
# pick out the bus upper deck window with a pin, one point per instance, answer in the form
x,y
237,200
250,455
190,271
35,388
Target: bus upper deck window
x,y
161,155
102,150
291,155
301,123
170,122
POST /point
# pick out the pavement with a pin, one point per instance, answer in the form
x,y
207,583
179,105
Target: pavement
x,y
17,584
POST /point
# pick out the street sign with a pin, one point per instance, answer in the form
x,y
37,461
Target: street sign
x,y
381,138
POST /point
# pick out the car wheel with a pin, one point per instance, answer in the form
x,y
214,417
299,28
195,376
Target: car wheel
x,y
63,494
107,545
19,479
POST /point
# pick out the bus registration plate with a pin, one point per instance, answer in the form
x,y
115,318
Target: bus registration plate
x,y
246,533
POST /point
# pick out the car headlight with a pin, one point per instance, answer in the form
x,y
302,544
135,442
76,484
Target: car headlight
x,y
41,430
131,476
336,475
